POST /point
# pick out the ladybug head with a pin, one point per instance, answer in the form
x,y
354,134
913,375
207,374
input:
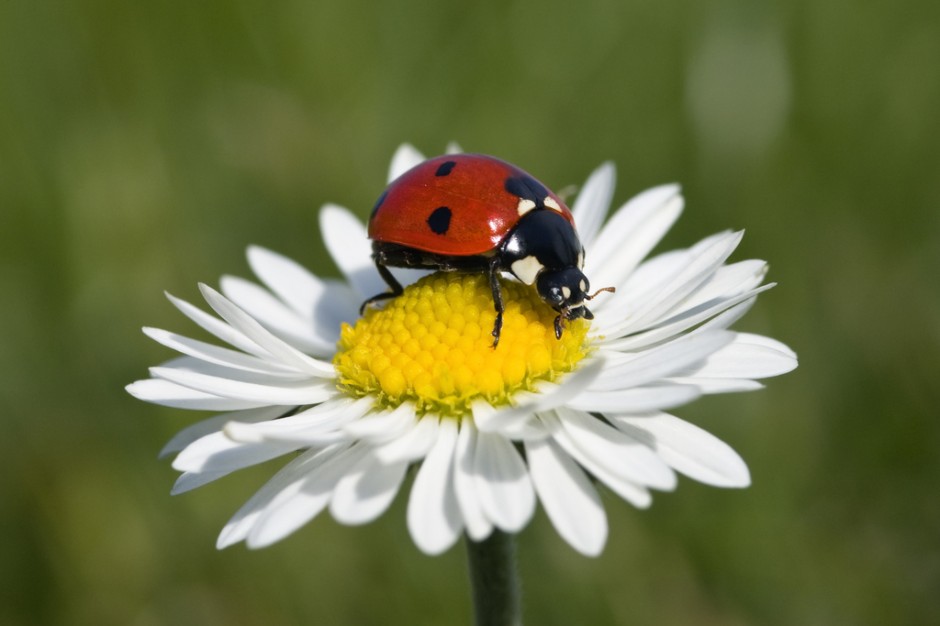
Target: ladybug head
x,y
566,291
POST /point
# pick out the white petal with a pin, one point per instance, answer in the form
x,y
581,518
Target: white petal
x,y
636,400
302,500
313,426
323,303
410,445
546,397
618,453
645,281
683,321
453,148
664,360
252,329
516,423
187,481
477,525
630,234
247,516
198,366
287,394
689,449
346,239
216,453
630,491
729,281
726,318
219,356
433,515
166,393
219,328
766,342
274,315
747,357
366,491
502,483
571,502
717,385
405,158
591,206
707,257
214,424
382,426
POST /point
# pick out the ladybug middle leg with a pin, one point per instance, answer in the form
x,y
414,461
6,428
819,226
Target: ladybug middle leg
x,y
494,270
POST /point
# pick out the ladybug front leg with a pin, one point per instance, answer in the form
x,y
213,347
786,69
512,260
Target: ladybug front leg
x,y
497,299
390,280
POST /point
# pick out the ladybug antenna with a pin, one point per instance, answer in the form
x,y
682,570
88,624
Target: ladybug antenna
x,y
593,295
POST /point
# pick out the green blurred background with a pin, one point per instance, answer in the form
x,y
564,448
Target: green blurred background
x,y
143,146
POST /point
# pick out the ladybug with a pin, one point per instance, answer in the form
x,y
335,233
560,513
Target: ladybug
x,y
473,213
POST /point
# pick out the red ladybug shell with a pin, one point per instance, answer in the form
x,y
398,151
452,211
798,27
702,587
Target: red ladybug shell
x,y
458,205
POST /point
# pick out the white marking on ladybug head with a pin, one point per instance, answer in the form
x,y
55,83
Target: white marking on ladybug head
x,y
525,205
527,269
581,263
552,204
583,285
566,292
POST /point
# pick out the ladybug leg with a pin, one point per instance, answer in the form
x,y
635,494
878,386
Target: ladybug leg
x,y
497,299
390,280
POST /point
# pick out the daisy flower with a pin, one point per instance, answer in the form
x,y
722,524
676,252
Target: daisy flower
x,y
355,401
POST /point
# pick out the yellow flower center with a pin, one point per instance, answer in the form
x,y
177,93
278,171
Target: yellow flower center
x,y
433,346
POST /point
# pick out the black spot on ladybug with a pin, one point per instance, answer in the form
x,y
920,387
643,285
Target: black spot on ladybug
x,y
527,188
439,220
378,203
445,168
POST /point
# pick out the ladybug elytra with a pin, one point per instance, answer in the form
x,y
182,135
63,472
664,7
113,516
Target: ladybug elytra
x,y
471,212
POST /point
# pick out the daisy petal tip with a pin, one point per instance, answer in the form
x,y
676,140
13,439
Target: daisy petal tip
x,y
405,157
592,550
209,293
433,545
607,172
261,258
331,212
224,542
643,505
589,544
255,252
267,534
734,475
787,367
242,433
230,535
669,190
226,281
178,302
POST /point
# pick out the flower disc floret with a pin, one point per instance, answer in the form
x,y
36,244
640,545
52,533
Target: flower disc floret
x,y
433,346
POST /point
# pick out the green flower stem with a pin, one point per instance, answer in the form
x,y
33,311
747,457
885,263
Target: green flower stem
x,y
494,580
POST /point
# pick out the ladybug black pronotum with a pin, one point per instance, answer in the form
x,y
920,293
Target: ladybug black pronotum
x,y
475,213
